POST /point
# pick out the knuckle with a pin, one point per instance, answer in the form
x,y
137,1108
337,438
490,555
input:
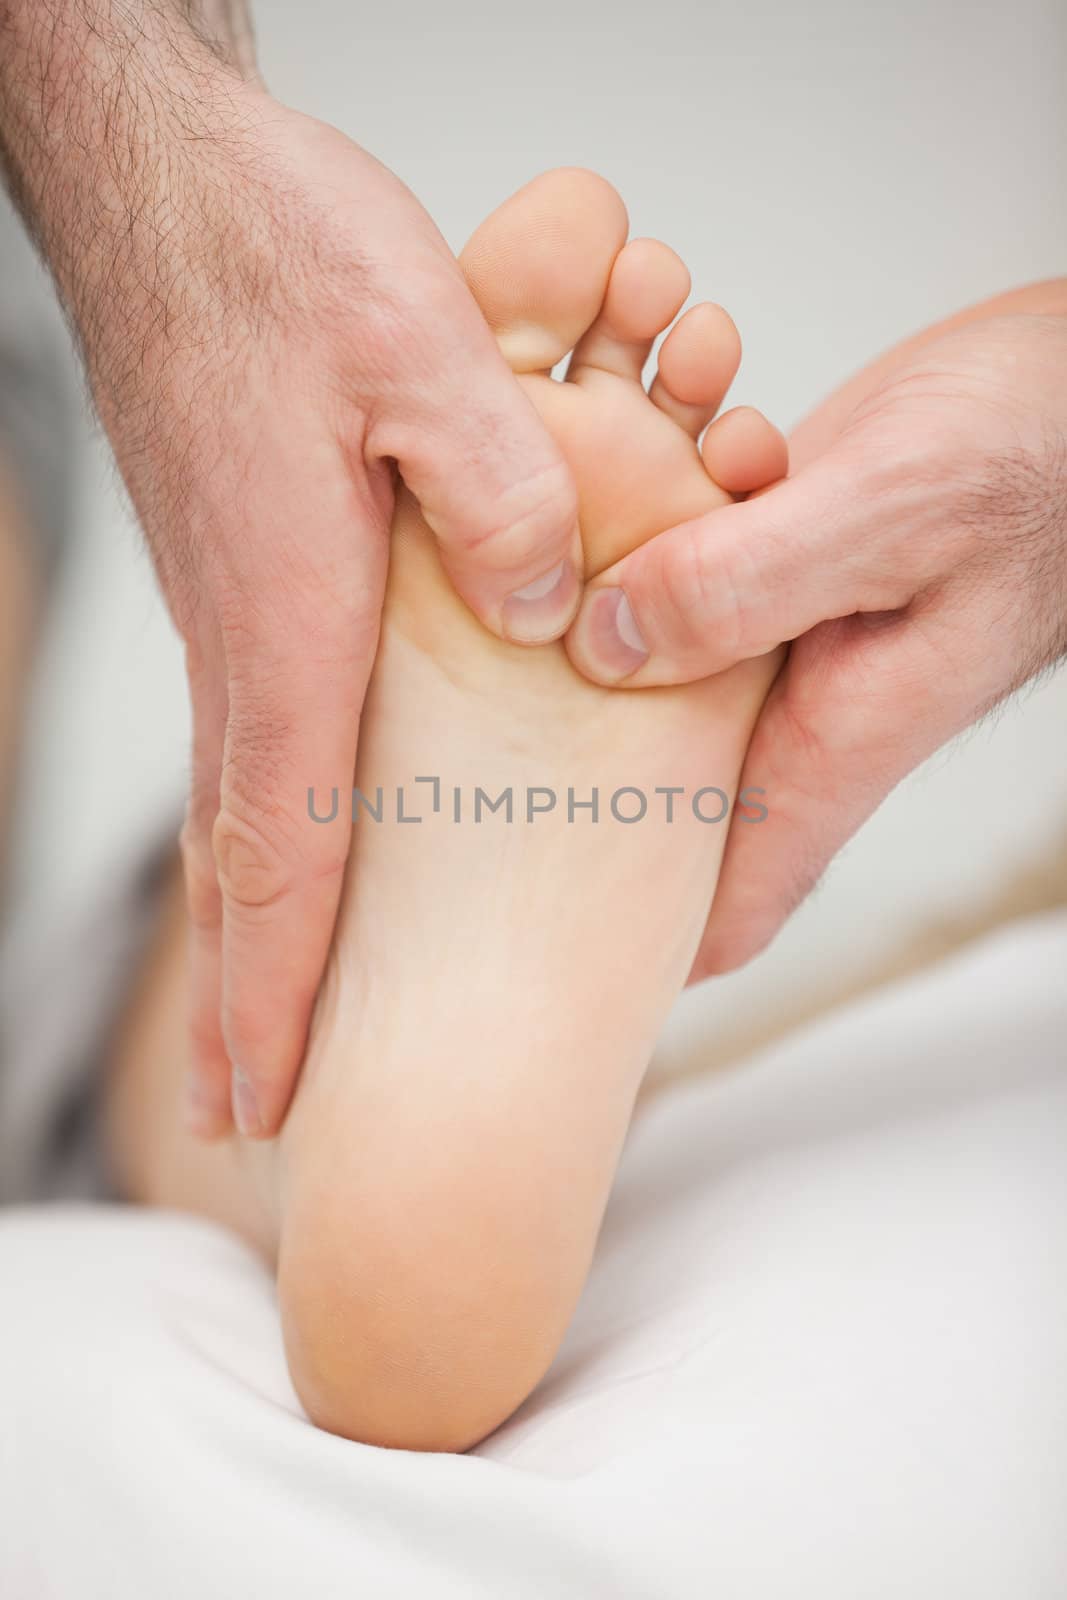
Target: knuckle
x,y
530,512
251,869
259,862
702,597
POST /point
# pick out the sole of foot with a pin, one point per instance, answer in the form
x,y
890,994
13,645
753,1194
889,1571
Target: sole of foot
x,y
501,968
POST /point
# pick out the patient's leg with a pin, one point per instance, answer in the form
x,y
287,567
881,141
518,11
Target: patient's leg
x,y
496,984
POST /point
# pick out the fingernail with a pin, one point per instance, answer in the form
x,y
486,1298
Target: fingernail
x,y
608,634
543,609
245,1110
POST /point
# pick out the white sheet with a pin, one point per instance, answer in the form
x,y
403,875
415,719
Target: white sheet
x,y
821,1354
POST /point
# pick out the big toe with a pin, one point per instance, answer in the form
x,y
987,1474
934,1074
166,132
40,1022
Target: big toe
x,y
539,265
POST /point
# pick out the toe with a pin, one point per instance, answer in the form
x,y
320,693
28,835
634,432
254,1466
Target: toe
x,y
742,451
539,266
697,364
648,285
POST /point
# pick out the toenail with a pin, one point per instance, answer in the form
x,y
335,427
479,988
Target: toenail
x,y
245,1109
610,634
542,609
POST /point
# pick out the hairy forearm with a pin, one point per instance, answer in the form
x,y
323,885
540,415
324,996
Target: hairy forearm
x,y
129,135
32,28
107,107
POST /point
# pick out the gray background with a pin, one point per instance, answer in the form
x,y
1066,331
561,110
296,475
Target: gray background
x,y
837,175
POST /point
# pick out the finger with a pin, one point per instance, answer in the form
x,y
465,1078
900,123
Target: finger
x,y
736,583
491,483
858,705
292,728
207,1089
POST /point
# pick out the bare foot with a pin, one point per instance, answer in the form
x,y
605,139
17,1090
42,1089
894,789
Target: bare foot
x,y
496,987
498,977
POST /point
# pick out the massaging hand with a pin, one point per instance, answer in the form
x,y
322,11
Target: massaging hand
x,y
918,559
272,324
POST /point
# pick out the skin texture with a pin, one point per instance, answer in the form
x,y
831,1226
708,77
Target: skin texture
x,y
271,326
918,559
495,989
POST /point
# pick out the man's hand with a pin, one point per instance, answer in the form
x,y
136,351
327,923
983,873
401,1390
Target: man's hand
x,y
918,559
272,326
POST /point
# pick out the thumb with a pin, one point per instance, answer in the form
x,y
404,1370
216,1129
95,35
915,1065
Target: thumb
x,y
490,482
734,584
